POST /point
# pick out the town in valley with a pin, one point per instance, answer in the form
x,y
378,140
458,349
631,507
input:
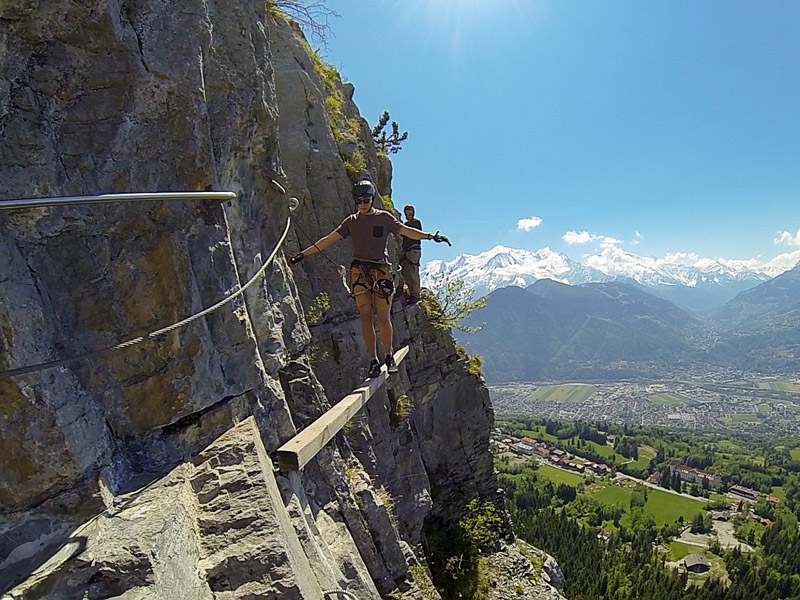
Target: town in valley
x,y
751,405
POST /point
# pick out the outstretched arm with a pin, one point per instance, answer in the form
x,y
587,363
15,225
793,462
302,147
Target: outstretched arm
x,y
416,234
324,243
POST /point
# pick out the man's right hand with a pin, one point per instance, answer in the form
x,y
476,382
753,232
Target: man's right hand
x,y
296,258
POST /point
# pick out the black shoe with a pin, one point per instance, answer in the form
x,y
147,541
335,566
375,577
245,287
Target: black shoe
x,y
391,366
411,300
374,369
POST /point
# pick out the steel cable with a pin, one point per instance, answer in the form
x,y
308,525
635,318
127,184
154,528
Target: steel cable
x,y
159,332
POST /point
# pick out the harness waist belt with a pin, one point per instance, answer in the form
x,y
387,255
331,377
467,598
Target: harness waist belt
x,y
359,262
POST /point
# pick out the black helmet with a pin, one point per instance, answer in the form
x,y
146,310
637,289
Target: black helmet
x,y
363,188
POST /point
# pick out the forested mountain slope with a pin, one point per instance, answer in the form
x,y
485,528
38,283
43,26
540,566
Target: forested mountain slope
x,y
604,330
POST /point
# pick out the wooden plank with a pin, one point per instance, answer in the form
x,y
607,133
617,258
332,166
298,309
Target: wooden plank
x,y
296,453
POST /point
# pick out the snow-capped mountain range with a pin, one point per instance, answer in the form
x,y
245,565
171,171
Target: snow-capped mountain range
x,y
699,284
503,267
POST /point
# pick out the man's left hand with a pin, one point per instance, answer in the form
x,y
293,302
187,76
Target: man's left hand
x,y
439,238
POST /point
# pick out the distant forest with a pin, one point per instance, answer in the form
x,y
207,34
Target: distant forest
x,y
628,568
623,561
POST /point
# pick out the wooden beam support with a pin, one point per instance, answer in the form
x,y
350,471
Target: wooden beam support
x,y
296,453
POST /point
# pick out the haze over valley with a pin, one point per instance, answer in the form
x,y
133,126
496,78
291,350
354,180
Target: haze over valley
x,y
732,365
620,330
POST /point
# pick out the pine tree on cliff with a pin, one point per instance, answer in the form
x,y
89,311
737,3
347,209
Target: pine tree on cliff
x,y
388,144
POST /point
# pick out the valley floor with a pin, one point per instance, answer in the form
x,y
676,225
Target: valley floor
x,y
754,405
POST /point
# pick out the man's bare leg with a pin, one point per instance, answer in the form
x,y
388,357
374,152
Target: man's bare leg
x,y
387,331
368,330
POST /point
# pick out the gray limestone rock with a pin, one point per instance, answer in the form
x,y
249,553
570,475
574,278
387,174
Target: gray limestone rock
x,y
518,572
216,529
145,473
553,570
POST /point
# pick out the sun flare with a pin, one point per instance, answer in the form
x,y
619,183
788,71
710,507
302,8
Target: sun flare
x,y
459,22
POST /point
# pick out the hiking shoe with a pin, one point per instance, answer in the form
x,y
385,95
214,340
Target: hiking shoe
x,y
391,366
374,369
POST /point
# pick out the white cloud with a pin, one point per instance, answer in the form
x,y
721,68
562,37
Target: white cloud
x,y
782,262
753,264
578,237
613,260
609,242
785,237
528,224
584,237
681,258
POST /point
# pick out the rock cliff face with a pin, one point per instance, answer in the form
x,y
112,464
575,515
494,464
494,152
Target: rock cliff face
x,y
146,472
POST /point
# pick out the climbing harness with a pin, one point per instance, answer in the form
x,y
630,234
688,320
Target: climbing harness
x,y
372,280
230,294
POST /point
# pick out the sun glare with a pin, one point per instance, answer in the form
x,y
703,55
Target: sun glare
x,y
459,22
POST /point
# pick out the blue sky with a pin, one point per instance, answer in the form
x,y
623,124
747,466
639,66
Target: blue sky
x,y
655,127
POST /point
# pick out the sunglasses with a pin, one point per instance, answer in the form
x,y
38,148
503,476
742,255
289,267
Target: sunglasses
x,y
363,199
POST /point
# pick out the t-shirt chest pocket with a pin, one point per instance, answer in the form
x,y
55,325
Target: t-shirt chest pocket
x,y
377,231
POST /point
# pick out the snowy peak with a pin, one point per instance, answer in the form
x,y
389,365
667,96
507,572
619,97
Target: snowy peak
x,y
700,284
503,267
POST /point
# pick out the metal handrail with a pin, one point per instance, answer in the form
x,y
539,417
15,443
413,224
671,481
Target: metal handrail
x,y
24,203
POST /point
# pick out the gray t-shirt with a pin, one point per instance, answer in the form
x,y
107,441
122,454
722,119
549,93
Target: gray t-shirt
x,y
369,233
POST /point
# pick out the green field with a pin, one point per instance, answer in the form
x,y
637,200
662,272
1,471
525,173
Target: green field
x,y
778,492
715,497
741,383
558,476
779,386
604,450
776,386
677,550
611,494
741,418
668,399
764,409
795,453
646,453
666,507
785,386
728,446
570,392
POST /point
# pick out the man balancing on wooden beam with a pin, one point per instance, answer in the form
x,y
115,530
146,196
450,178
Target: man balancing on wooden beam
x,y
370,271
